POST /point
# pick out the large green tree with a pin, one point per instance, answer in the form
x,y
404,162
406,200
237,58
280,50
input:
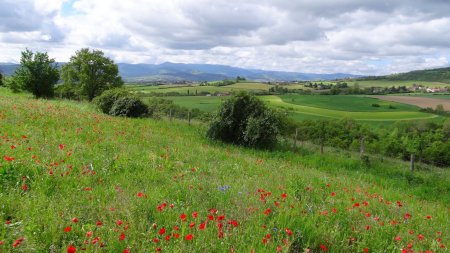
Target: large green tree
x,y
90,73
1,79
37,74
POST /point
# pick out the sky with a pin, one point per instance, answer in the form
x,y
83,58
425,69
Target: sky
x,y
368,37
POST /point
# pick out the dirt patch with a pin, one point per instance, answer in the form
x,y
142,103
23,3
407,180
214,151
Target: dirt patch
x,y
422,102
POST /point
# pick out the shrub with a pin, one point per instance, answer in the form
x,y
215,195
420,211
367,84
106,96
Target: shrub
x,y
375,105
245,120
106,100
129,106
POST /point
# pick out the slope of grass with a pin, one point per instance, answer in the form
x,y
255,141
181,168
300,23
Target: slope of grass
x,y
71,176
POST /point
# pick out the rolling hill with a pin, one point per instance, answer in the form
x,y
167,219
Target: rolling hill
x,y
428,75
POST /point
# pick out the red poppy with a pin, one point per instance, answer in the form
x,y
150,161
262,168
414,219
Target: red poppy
x,y
167,237
140,194
99,223
127,250
267,211
323,247
24,187
122,236
366,250
18,241
420,237
68,229
288,231
210,217
407,216
162,231
8,158
71,249
183,217
202,226
189,237
398,238
333,194
194,214
155,240
283,196
119,223
61,147
192,224
89,234
75,220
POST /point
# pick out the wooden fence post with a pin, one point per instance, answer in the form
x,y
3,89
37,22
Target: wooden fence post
x,y
170,114
361,147
295,138
411,166
189,117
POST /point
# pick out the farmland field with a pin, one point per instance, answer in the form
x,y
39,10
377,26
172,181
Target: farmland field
x,y
302,107
423,102
183,89
73,178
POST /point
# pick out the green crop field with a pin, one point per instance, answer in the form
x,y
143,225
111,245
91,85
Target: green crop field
x,y
346,103
72,178
302,107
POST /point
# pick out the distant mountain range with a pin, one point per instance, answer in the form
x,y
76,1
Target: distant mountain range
x,y
209,72
175,72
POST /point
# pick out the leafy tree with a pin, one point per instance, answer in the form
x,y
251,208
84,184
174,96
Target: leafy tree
x,y
92,72
245,120
1,79
37,74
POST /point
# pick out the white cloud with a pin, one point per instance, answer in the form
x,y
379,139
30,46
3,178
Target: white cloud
x,y
320,36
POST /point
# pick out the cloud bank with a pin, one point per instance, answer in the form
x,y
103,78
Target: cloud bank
x,y
320,36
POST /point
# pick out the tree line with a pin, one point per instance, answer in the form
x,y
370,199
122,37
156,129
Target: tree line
x,y
87,75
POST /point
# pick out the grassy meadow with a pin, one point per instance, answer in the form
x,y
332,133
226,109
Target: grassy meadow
x,y
72,178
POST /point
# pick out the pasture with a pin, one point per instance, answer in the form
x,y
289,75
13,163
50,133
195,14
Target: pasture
x,y
72,178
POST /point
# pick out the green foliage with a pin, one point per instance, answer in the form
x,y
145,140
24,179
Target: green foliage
x,y
429,141
1,79
37,74
92,72
245,120
106,100
129,106
67,91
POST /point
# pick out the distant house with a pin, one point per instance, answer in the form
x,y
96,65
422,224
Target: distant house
x,y
433,90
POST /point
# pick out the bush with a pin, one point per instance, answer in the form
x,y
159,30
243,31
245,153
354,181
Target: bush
x,y
106,100
245,120
129,106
